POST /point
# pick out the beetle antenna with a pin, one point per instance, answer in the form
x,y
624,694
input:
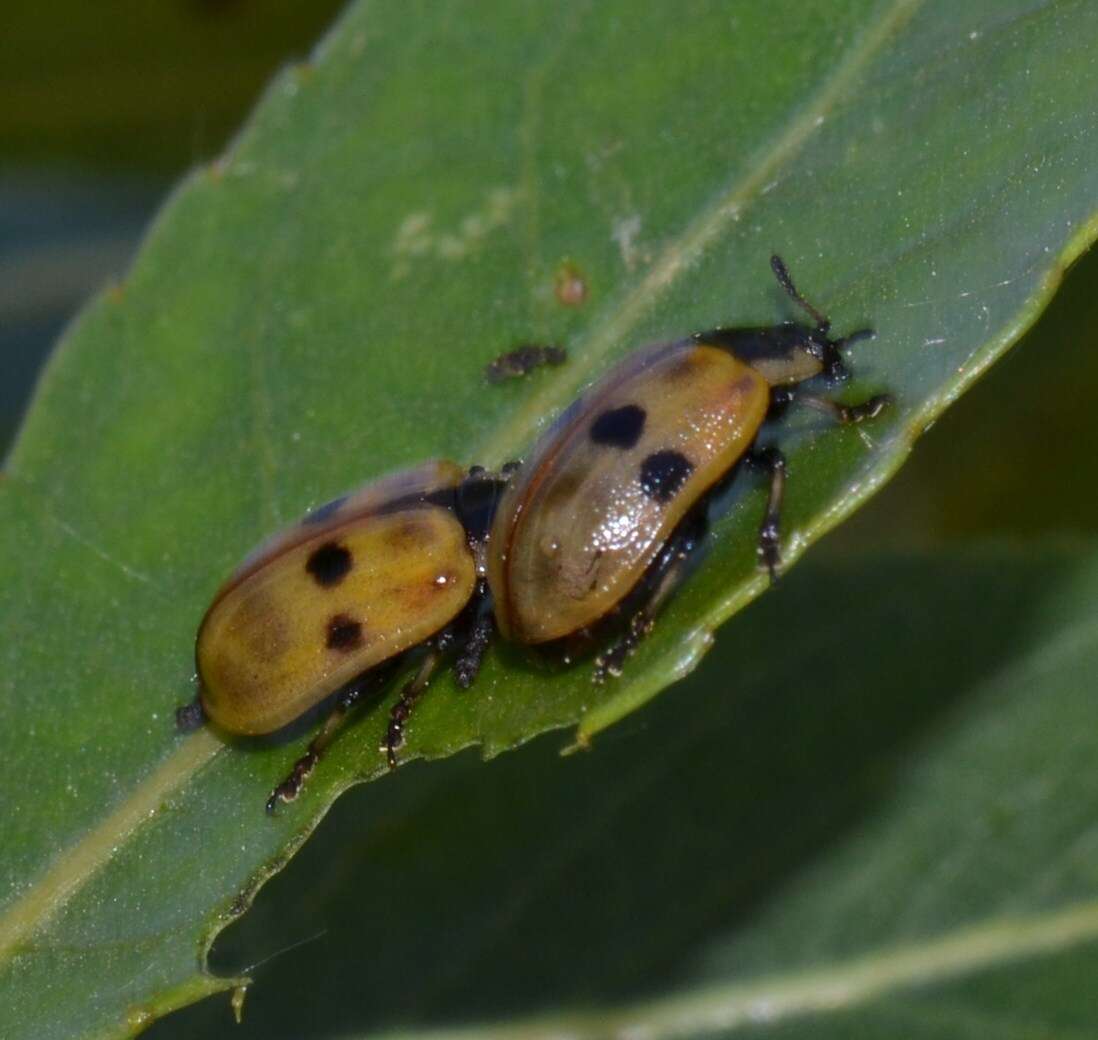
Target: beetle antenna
x,y
781,272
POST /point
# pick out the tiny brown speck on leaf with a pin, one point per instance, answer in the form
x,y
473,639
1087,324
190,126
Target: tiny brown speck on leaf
x,y
569,285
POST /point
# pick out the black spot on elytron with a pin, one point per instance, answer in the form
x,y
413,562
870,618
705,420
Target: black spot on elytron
x,y
324,512
344,633
663,474
619,427
329,564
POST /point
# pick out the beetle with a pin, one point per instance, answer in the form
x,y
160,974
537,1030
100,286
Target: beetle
x,y
598,523
593,530
337,601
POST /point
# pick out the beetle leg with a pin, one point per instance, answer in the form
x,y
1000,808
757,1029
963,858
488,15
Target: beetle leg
x,y
412,691
289,789
771,461
844,413
471,635
472,651
665,576
610,662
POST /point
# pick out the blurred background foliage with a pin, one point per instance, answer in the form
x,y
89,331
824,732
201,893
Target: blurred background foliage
x,y
137,87
102,109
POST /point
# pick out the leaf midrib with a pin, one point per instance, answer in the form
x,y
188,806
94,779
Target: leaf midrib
x,y
73,867
778,998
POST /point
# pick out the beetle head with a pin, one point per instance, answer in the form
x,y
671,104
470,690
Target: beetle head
x,y
814,340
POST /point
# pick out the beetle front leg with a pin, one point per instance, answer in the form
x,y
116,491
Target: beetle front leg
x,y
844,413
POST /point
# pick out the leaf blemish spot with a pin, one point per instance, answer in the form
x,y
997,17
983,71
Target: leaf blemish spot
x,y
624,233
416,238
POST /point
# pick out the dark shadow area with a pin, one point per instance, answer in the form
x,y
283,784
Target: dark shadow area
x,y
102,119
996,465
463,891
63,238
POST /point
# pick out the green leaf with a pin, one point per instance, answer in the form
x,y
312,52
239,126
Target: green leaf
x,y
869,812
317,308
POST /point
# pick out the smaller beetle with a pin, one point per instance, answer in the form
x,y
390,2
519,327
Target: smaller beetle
x,y
599,521
331,603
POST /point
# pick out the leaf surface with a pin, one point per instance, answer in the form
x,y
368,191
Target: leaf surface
x,y
317,308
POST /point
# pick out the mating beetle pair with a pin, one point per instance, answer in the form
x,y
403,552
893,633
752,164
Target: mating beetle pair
x,y
584,541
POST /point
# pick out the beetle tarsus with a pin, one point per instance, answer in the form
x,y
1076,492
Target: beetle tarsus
x,y
394,735
844,414
770,461
290,788
768,549
398,716
610,663
870,409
